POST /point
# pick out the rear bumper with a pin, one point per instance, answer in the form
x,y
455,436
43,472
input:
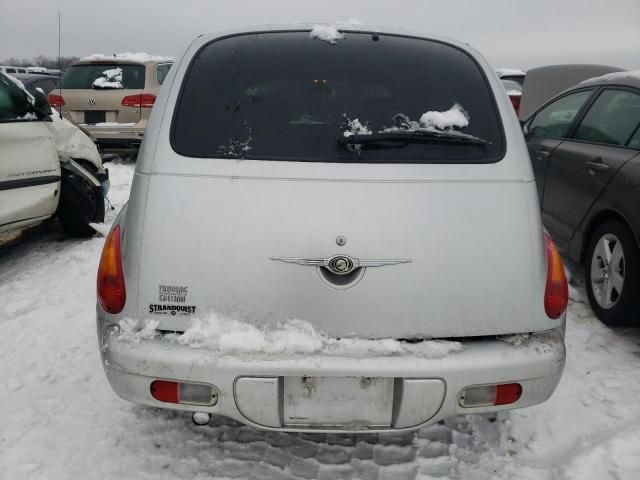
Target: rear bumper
x,y
251,390
118,138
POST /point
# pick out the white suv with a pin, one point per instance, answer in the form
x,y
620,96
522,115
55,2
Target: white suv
x,y
332,231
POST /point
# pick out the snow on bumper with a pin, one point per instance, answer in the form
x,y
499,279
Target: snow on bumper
x,y
257,390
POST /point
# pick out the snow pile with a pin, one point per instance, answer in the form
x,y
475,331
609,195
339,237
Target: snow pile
x,y
128,56
327,33
293,337
355,127
456,116
133,331
633,75
112,78
330,33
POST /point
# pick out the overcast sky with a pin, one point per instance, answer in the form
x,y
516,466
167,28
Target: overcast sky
x,y
509,33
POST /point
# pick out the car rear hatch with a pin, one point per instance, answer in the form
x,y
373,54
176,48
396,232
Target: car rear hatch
x,y
247,212
102,92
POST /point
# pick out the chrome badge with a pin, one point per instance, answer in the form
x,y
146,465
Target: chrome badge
x,y
340,264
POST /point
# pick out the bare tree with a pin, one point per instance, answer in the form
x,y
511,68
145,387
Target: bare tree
x,y
41,61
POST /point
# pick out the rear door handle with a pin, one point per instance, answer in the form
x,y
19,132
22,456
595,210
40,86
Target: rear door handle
x,y
597,165
543,154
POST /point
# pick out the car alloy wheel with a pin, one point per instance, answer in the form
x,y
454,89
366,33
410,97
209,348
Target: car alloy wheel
x,y
607,271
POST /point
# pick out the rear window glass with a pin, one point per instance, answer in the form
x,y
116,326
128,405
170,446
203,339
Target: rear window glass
x,y
104,76
286,96
162,70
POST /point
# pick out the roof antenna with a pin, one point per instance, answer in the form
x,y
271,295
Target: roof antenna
x,y
60,60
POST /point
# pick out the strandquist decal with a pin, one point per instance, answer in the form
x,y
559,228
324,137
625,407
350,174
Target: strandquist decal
x,y
172,309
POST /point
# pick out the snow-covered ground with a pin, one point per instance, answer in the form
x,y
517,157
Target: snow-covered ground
x,y
60,419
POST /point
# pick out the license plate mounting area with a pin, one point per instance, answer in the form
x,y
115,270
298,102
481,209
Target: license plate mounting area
x,y
338,402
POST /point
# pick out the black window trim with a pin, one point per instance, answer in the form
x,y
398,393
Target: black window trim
x,y
601,89
485,161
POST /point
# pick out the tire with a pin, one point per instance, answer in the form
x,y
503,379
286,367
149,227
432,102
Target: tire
x,y
613,285
80,204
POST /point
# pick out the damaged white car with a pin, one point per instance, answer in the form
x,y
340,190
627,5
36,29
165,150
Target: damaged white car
x,y
48,167
352,241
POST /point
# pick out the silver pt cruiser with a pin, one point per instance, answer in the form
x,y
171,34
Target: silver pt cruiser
x,y
332,230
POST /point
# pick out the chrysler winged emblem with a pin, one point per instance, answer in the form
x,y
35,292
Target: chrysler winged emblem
x,y
91,101
340,264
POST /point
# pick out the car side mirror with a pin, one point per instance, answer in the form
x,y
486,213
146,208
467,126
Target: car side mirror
x,y
41,106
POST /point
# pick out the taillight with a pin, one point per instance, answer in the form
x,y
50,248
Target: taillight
x,y
144,100
556,293
56,100
111,290
490,395
186,393
515,101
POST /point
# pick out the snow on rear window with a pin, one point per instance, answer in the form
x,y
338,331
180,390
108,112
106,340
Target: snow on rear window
x,y
455,117
294,96
111,78
633,74
104,75
328,33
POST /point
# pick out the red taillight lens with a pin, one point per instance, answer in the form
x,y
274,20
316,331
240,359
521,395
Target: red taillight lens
x,y
56,100
556,293
515,101
111,289
508,393
185,393
165,391
144,100
489,395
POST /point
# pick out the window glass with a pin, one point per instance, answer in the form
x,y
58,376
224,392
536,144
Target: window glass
x,y
45,84
635,140
554,120
286,96
104,76
612,118
11,70
161,71
14,104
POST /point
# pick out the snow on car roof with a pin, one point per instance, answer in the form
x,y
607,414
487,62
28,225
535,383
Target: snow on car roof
x,y
628,78
140,57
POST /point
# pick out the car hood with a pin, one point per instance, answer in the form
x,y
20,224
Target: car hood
x,y
73,142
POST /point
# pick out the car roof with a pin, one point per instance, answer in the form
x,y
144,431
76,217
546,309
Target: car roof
x,y
628,79
342,27
28,77
125,58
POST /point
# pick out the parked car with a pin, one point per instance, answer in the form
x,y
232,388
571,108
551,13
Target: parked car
x,y
295,173
112,96
585,149
38,180
12,70
31,81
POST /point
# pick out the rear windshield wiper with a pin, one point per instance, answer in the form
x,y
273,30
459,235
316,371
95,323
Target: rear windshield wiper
x,y
400,138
